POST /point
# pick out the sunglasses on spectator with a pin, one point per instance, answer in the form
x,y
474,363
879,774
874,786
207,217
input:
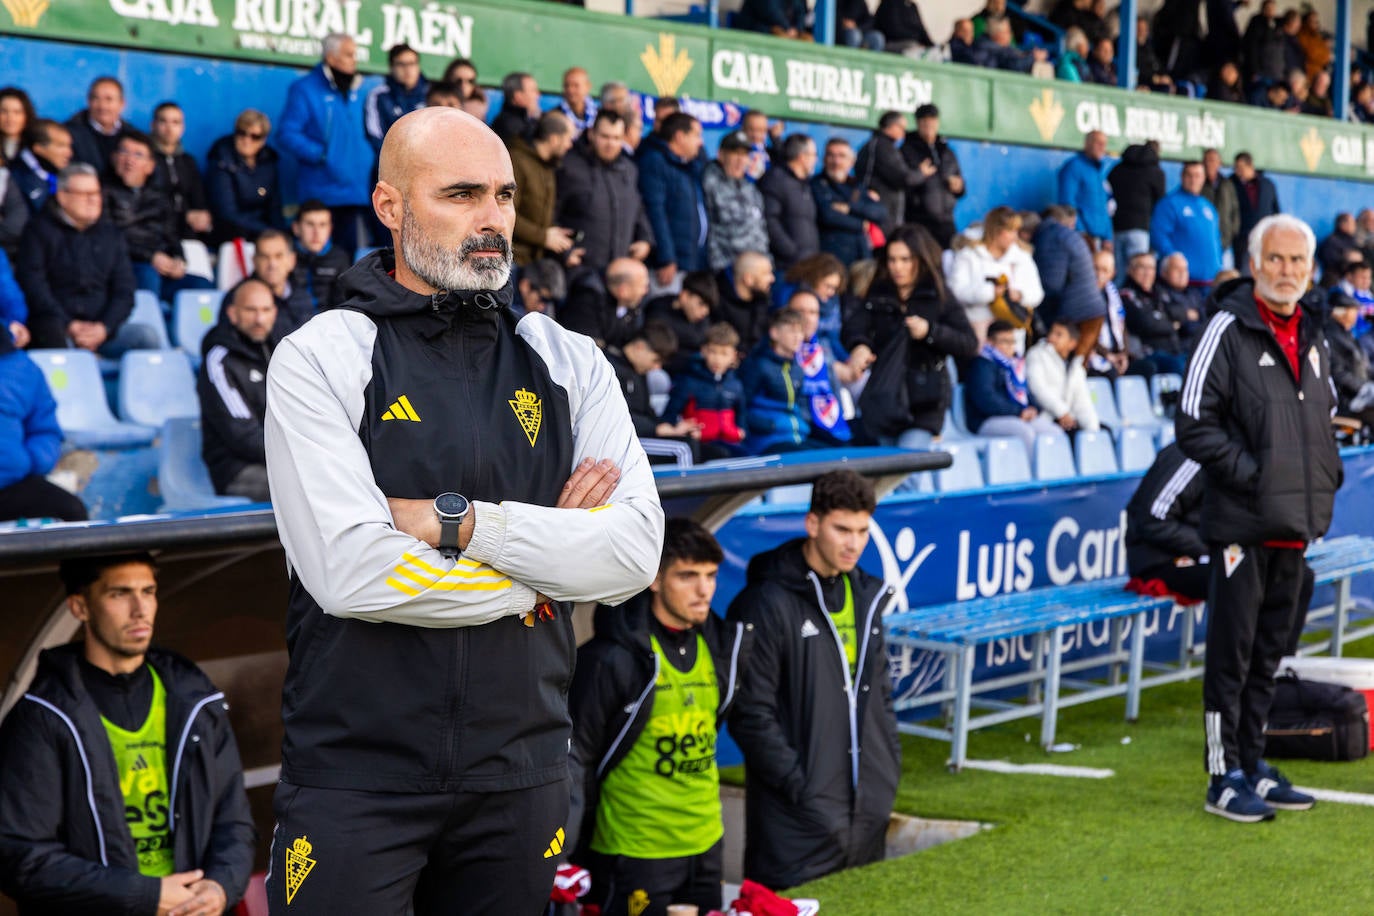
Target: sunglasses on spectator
x,y
249,135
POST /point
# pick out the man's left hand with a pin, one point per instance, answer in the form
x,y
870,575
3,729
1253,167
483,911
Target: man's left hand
x,y
209,900
639,250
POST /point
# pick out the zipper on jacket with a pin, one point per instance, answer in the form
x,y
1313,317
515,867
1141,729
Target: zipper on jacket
x,y
181,749
86,765
734,670
633,713
848,683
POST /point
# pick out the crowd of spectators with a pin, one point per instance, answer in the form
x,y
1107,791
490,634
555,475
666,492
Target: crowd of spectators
x,y
1282,60
849,301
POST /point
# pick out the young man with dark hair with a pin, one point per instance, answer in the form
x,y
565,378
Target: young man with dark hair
x,y
670,169
814,715
688,314
47,151
132,797
178,173
648,349
318,262
403,91
650,693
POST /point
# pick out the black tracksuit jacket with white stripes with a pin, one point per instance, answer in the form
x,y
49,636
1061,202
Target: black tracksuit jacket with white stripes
x,y
1162,517
1262,436
232,385
410,671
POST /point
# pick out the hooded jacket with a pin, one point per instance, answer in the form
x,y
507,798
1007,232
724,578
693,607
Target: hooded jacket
x,y
822,760
1065,265
715,401
405,395
65,848
30,439
601,200
1137,185
69,274
1262,436
243,201
1162,517
612,695
232,385
790,210
671,188
322,126
776,410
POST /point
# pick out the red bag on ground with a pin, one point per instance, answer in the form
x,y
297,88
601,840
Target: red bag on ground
x,y
760,901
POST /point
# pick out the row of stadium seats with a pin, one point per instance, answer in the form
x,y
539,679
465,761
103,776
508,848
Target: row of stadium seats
x,y
154,386
1004,462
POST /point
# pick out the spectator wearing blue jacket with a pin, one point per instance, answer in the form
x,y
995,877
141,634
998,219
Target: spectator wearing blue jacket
x,y
1066,272
322,126
708,391
1185,222
670,168
776,410
30,442
844,205
1083,185
997,398
14,310
399,94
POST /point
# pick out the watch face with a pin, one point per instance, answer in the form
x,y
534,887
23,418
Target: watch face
x,y
451,505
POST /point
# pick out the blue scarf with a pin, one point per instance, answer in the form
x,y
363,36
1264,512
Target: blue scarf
x,y
1013,370
826,413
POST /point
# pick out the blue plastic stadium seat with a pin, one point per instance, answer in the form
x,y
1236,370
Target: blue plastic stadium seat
x,y
1104,399
1134,402
1054,458
1165,435
194,313
1159,384
82,411
181,474
965,473
1095,452
957,412
1135,449
155,386
148,311
1007,462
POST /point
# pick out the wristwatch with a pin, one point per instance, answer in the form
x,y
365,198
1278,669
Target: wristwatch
x,y
451,508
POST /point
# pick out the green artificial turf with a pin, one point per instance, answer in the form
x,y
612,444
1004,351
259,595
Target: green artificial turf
x,y
1138,842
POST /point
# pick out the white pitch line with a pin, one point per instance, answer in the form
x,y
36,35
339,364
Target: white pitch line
x,y
1340,798
1038,769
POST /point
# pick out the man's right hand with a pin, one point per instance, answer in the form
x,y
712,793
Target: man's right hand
x,y
927,168
1067,422
591,484
176,890
557,239
1030,413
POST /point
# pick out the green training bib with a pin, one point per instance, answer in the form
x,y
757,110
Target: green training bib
x,y
662,801
141,761
845,626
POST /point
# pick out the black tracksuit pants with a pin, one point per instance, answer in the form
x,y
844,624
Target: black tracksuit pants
x,y
1188,581
410,854
1255,609
645,887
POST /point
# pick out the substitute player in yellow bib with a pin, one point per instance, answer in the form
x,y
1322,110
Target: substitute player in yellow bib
x,y
647,699
122,789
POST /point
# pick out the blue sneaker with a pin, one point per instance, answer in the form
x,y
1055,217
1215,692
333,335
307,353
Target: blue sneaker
x,y
1277,792
1231,797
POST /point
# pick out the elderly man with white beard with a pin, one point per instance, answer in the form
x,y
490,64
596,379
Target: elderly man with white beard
x,y
447,476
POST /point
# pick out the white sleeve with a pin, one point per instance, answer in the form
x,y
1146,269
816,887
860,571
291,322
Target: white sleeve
x,y
333,520
1028,280
606,554
1081,399
1046,381
967,283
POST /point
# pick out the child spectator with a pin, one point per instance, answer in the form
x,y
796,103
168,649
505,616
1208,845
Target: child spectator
x,y
998,401
827,418
708,391
778,416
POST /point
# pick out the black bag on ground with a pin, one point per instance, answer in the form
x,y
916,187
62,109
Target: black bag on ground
x,y
1310,720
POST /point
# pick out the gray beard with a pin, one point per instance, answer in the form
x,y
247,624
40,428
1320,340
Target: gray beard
x,y
446,269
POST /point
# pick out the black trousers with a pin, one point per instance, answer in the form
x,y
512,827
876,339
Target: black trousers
x,y
483,853
645,887
1188,581
1255,608
35,497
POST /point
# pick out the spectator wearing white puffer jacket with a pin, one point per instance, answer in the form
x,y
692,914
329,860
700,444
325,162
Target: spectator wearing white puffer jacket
x,y
1058,382
975,277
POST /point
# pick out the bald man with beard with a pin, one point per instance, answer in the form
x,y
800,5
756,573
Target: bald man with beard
x,y
434,461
